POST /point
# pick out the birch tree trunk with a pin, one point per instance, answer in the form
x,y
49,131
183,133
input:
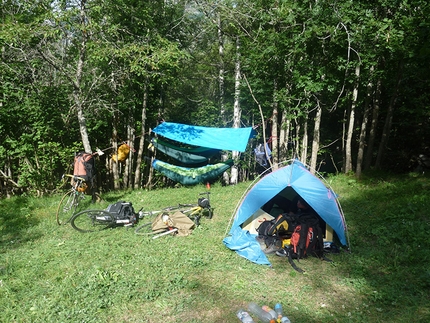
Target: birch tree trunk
x,y
305,141
114,164
137,172
283,136
221,69
363,129
129,162
316,139
296,138
236,110
77,88
221,88
350,131
274,134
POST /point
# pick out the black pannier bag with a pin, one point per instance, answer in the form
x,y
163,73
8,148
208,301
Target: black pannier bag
x,y
123,211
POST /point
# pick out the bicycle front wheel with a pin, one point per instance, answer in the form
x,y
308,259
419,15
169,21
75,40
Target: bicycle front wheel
x,y
67,207
92,220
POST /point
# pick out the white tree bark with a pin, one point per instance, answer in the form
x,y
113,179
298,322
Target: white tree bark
x,y
137,172
274,134
236,110
350,131
316,139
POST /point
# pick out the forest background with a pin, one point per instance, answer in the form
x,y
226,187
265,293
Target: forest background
x,y
342,85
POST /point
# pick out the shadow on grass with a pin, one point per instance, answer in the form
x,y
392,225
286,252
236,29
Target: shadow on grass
x,y
389,223
15,219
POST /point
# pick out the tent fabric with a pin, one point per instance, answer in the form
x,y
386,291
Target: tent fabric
x,y
246,246
182,156
191,176
294,178
235,139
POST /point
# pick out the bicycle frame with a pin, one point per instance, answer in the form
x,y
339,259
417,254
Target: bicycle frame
x,y
70,201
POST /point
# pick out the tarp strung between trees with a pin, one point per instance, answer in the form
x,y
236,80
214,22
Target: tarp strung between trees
x,y
191,176
185,155
200,151
234,139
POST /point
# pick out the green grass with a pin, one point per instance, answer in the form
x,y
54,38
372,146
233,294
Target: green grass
x,y
56,274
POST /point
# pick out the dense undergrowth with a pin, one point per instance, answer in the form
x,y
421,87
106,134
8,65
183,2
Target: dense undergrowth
x,y
50,273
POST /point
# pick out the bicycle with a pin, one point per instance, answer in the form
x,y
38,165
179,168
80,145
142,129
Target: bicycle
x,y
98,220
193,211
73,197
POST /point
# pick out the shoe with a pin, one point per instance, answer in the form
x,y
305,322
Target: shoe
x,y
282,253
271,249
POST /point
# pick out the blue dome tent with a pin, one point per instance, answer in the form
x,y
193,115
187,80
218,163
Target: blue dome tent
x,y
288,181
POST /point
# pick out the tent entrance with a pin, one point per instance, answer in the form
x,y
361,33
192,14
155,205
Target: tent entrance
x,y
283,202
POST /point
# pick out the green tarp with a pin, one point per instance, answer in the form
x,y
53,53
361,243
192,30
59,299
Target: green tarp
x,y
191,176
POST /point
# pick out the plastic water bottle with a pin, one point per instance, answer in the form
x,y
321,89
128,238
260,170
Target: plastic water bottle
x,y
244,317
285,319
259,312
270,311
278,310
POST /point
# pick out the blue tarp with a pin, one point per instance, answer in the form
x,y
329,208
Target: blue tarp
x,y
217,138
299,180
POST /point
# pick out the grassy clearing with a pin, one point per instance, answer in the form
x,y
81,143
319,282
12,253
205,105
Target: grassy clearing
x,y
56,274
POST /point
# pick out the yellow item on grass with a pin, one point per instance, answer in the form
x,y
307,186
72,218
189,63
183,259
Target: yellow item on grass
x,y
286,242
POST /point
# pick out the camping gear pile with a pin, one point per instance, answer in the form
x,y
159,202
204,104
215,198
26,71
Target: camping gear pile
x,y
287,183
178,221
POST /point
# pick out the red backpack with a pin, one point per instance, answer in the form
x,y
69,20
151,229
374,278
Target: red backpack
x,y
307,239
84,166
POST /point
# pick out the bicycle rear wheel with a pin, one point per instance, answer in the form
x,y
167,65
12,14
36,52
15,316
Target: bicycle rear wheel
x,y
146,229
92,220
67,206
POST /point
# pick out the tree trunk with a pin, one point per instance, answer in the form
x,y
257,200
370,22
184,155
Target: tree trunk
x,y
362,139
283,136
305,141
373,125
137,172
129,162
221,69
77,89
350,131
114,163
388,119
316,139
149,183
236,111
274,134
296,138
